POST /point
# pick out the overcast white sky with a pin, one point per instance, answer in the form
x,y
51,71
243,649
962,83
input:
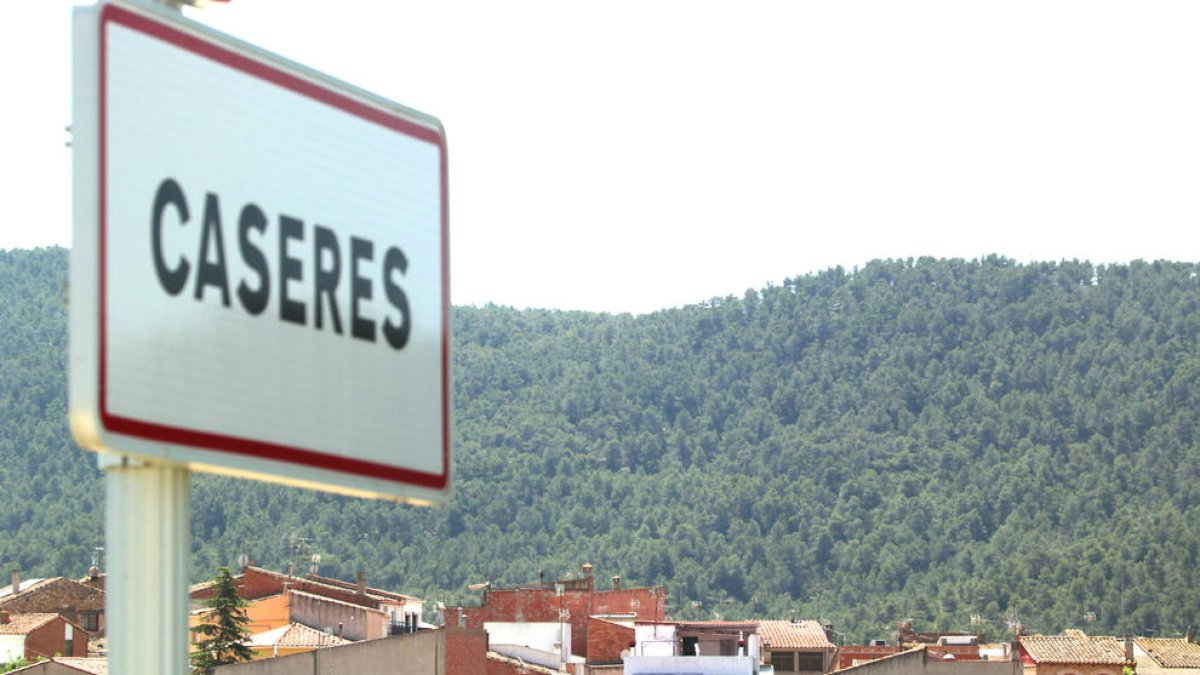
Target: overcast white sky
x,y
632,156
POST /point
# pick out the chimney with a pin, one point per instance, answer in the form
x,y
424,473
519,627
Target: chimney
x,y
16,580
616,583
587,573
1129,648
362,584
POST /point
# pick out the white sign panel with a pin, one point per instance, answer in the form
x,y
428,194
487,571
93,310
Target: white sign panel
x,y
260,264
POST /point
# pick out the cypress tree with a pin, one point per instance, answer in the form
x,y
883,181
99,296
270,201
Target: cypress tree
x,y
222,636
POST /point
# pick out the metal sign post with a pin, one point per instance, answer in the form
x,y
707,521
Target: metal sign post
x,y
146,536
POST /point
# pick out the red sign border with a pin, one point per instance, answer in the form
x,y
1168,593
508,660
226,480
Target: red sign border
x,y
233,444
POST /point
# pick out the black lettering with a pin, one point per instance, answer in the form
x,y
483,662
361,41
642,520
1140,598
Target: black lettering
x,y
255,301
325,280
397,335
360,289
170,193
259,280
210,273
290,229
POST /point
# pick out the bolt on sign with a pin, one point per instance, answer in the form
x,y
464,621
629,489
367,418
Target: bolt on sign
x,y
260,265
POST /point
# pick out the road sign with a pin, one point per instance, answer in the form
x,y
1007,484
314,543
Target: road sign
x,y
260,265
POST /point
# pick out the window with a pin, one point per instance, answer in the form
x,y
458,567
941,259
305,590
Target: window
x,y
90,621
811,661
784,662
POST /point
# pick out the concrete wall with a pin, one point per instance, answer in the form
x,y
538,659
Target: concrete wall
x,y
655,639
530,655
690,665
356,623
973,668
917,662
49,668
498,664
541,635
441,652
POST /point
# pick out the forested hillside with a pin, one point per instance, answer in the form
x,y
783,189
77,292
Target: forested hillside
x,y
929,439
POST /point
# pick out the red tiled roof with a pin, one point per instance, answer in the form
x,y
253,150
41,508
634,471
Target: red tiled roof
x,y
296,635
351,586
793,635
92,665
299,635
256,582
1171,652
23,624
332,601
1075,648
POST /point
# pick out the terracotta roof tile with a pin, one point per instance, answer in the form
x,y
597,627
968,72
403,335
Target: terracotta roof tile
x,y
1171,652
794,635
23,624
353,586
1075,648
296,635
332,601
91,665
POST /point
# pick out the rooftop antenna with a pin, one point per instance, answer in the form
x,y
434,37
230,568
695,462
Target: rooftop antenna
x,y
243,559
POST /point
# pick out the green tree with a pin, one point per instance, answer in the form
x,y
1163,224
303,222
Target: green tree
x,y
221,638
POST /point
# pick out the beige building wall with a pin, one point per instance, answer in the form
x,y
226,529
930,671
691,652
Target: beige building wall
x,y
338,618
416,654
918,662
